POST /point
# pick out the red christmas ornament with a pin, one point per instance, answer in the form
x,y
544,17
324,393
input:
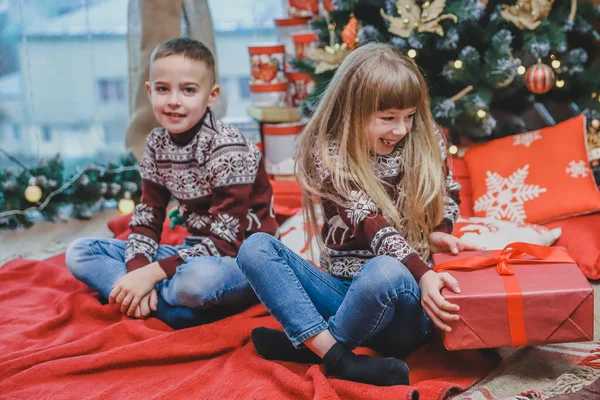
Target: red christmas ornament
x,y
349,33
539,78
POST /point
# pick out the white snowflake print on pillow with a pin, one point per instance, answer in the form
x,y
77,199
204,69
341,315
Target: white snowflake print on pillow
x,y
505,197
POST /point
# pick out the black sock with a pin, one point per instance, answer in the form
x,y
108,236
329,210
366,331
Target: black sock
x,y
341,362
275,345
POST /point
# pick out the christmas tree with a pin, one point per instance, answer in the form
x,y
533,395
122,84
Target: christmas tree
x,y
490,65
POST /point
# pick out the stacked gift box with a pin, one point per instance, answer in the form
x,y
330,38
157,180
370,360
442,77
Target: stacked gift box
x,y
277,90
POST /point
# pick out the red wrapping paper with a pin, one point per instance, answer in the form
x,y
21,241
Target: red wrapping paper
x,y
522,295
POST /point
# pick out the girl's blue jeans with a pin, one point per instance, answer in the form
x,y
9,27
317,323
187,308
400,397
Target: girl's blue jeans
x,y
202,290
379,308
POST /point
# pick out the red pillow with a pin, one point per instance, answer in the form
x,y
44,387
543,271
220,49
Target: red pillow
x,y
534,177
581,237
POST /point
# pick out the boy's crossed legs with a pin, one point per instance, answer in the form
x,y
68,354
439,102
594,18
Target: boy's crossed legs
x,y
203,289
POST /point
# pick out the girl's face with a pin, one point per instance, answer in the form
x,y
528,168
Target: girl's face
x,y
386,128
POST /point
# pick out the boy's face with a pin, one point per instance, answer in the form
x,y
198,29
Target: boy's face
x,y
180,91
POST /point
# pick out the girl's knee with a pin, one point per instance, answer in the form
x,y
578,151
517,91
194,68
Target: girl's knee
x,y
254,249
386,275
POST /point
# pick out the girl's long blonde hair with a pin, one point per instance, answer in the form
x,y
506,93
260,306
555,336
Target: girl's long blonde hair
x,y
374,77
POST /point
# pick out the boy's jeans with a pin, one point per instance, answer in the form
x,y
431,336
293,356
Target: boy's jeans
x,y
379,308
202,290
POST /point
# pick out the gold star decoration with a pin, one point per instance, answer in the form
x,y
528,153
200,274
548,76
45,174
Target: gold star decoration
x,y
527,14
412,17
328,58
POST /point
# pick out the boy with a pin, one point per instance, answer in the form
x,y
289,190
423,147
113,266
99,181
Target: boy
x,y
220,182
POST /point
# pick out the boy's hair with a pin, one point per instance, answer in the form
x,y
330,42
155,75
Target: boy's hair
x,y
373,78
188,48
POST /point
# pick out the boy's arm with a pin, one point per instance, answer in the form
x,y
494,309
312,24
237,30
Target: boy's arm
x,y
233,173
452,192
148,216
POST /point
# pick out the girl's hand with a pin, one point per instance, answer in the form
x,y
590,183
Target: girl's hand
x,y
435,305
131,288
441,242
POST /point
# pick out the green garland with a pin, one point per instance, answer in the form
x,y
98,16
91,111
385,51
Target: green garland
x,y
91,187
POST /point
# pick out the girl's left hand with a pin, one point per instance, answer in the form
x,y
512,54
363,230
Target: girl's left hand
x,y
442,242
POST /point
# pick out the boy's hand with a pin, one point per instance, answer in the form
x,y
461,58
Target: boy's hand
x,y
437,307
129,290
147,305
441,242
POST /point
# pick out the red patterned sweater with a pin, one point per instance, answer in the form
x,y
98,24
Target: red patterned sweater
x,y
220,182
356,231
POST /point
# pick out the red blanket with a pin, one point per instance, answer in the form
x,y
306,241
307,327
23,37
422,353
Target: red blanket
x,y
58,341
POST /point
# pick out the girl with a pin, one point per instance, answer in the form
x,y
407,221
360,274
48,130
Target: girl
x,y
373,159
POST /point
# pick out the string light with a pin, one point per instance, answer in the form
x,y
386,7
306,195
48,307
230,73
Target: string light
x,y
481,113
560,83
458,64
521,70
66,185
126,204
555,64
412,53
33,193
453,149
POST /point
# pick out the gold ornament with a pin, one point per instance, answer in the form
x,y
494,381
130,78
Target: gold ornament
x,y
126,204
596,123
527,14
411,18
33,193
328,58
349,33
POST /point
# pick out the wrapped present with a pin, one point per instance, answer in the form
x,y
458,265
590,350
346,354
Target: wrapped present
x,y
522,295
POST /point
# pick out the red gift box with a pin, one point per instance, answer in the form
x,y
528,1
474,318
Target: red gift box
x,y
522,295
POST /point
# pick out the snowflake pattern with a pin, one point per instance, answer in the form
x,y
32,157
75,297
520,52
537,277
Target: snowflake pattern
x,y
387,241
196,251
140,244
226,227
359,207
506,197
196,221
577,169
143,215
345,264
526,139
451,210
217,156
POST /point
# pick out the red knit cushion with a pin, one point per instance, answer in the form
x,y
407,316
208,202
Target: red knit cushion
x,y
581,237
534,177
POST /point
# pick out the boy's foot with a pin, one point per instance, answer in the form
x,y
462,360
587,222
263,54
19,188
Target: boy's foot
x,y
341,362
275,345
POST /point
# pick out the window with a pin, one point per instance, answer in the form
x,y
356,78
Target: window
x,y
244,87
16,131
46,134
111,90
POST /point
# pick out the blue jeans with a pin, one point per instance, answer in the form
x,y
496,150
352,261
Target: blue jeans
x,y
202,290
379,308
